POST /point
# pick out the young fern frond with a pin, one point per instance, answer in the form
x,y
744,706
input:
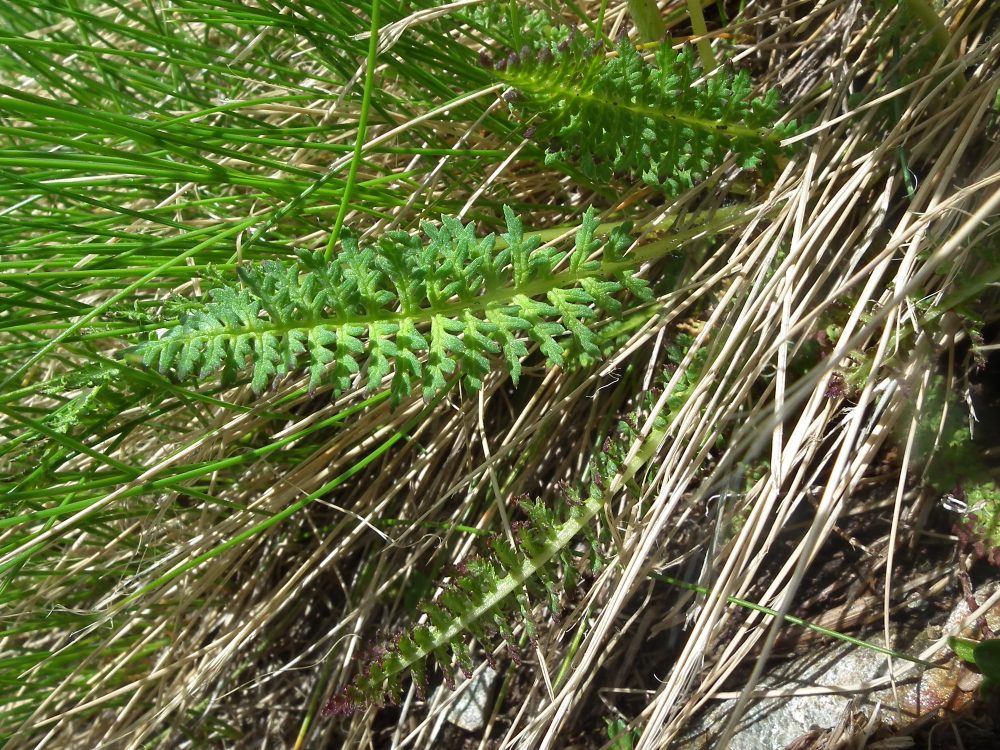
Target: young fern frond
x,y
458,298
491,595
621,114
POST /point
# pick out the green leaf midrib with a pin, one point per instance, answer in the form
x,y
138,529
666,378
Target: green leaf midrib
x,y
482,303
725,219
556,89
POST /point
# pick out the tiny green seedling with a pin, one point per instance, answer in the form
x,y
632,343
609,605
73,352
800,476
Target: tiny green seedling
x,y
622,738
984,655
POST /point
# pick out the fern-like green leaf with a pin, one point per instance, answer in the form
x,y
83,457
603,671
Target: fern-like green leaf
x,y
420,310
621,114
484,601
491,595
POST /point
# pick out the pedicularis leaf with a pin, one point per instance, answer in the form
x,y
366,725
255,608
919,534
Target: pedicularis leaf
x,y
489,598
617,114
418,308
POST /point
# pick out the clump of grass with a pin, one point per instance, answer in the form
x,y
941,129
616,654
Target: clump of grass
x,y
173,556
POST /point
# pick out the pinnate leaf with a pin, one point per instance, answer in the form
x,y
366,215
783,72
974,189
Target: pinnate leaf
x,y
419,308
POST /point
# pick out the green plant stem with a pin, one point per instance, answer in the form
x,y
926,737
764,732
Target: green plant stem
x,y
925,12
312,710
171,481
574,646
288,512
700,29
359,142
648,20
125,293
795,621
